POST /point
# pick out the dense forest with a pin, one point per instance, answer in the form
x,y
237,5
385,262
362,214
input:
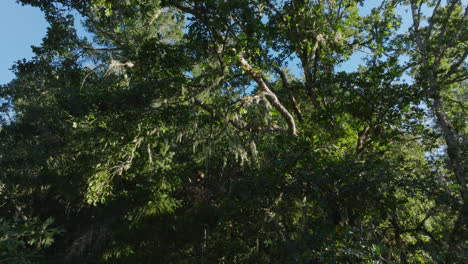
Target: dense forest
x,y
238,131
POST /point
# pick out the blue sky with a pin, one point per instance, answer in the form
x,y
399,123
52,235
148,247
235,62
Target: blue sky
x,y
20,27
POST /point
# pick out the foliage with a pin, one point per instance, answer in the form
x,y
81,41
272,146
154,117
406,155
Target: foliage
x,y
225,132
21,241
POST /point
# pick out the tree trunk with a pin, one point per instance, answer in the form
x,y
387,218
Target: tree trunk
x,y
456,160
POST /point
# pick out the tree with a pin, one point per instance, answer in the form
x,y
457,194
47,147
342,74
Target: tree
x,y
224,132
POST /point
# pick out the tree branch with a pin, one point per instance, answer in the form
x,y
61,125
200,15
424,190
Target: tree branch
x,y
296,109
269,94
309,79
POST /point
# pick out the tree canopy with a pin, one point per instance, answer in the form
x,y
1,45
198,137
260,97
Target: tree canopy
x,y
228,132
